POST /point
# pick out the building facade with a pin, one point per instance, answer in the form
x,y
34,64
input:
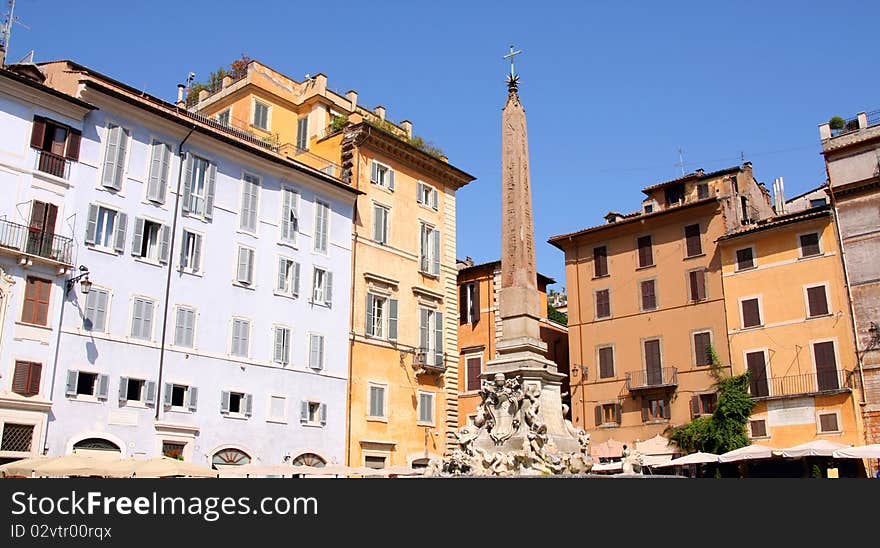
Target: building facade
x,y
219,272
403,329
789,326
852,161
646,312
480,329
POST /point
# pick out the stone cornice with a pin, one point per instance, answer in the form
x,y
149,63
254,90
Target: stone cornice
x,y
13,401
425,292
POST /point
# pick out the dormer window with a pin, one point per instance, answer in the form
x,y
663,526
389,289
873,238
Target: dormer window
x,y
674,194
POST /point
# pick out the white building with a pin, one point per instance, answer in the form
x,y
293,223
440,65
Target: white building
x,y
245,360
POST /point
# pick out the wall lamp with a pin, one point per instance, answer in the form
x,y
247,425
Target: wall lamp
x,y
84,283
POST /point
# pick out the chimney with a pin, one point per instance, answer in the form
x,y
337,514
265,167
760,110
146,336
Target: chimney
x,y
782,194
407,127
380,112
203,94
700,171
227,81
180,91
352,97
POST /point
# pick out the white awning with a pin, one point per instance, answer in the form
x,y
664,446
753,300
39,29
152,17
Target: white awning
x,y
749,452
815,448
859,452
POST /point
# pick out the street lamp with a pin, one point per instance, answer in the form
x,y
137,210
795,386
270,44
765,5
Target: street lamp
x,y
84,284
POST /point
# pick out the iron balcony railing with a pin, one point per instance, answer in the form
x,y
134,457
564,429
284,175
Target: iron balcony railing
x,y
36,242
53,164
873,118
310,159
425,358
232,130
799,385
655,378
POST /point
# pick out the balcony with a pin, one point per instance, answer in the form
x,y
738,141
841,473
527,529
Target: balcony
x,y
808,384
53,164
424,361
310,159
666,377
34,242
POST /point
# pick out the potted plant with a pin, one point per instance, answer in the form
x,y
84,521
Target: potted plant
x,y
837,123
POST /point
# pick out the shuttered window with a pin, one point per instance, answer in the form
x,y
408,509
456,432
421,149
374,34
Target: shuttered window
x,y
693,243
758,428
261,115
697,284
245,267
105,228
751,313
26,378
322,226
474,367
281,353
646,254
648,295
826,366
191,252
469,303
382,175
142,319
606,362
817,301
429,250
745,258
757,366
828,422
241,334
95,310
114,156
289,215
322,286
377,401
653,362
250,188
426,407
157,180
198,190
36,301
302,133
603,304
316,351
600,261
702,348
184,327
810,244
380,224
288,277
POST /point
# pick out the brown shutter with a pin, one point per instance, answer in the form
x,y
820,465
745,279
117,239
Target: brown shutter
x,y
809,244
476,303
36,301
38,216
751,313
598,415
692,240
757,373
818,301
20,378
667,409
606,362
600,261
695,406
38,133
646,407
462,304
473,373
73,140
826,366
603,304
698,285
646,257
701,348
618,411
649,301
34,372
744,258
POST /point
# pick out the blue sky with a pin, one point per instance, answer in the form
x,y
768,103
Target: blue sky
x,y
611,89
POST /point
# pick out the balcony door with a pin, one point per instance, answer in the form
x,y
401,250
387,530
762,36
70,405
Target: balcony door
x,y
41,228
757,366
653,367
826,366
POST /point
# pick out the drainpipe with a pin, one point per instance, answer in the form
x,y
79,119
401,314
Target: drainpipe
x,y
170,268
354,247
44,448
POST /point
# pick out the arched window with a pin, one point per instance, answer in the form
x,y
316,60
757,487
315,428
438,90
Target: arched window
x,y
309,459
419,463
96,444
230,457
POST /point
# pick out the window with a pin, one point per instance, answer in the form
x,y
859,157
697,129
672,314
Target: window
x,y
82,383
278,408
474,367
758,428
150,240
646,255
751,312
674,194
381,319
185,327
431,337
693,244
56,146
757,366
180,397
603,304
429,250
41,232
322,286
375,462
261,115
289,215
190,252
322,225
817,301
302,133
236,403
649,208
469,303
316,351
105,228
313,413
26,378
377,401
382,175
606,362
36,301
655,408
648,295
17,437
426,408
697,285
281,354
380,224
703,348
114,156
141,319
745,258
828,423
653,362
600,261
250,189
810,244
703,404
744,207
95,310
288,277
137,390
826,366
198,188
157,179
608,414
702,191
427,195
173,449
244,272
241,335
224,116
818,202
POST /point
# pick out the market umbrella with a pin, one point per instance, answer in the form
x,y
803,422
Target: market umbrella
x,y
859,452
23,467
260,470
693,458
815,448
162,467
404,471
72,465
749,452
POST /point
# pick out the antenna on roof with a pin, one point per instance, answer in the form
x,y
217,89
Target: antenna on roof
x,y
680,161
6,31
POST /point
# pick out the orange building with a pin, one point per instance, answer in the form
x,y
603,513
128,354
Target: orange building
x,y
646,312
479,330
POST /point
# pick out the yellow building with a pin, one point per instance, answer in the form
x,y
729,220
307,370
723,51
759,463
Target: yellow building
x,y
404,348
789,325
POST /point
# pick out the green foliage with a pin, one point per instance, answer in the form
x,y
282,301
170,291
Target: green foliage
x,y
337,123
555,315
836,122
427,147
237,69
725,429
272,140
817,472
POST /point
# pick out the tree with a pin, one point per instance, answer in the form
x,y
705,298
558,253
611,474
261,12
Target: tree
x,y
237,69
555,315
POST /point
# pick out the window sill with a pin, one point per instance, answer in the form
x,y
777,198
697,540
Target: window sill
x,y
196,216
183,410
746,269
285,243
36,325
429,275
52,178
646,267
246,232
381,186
132,404
277,421
198,273
748,327
832,433
429,208
819,316
603,318
428,424
320,303
150,262
286,295
235,416
85,399
105,250
808,257
377,419
655,421
244,286
697,256
609,425
603,276
312,424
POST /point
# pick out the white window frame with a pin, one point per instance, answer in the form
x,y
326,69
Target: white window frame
x,y
694,347
383,177
268,106
826,285
186,397
464,360
318,204
141,402
146,258
380,302
154,141
384,416
766,435
271,418
200,239
818,234
419,420
292,291
819,413
386,226
228,113
427,255
323,356
287,358
195,313
257,181
309,421
98,244
742,322
250,330
152,302
200,213
325,282
297,198
128,134
433,195
242,404
252,283
106,326
736,267
93,397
